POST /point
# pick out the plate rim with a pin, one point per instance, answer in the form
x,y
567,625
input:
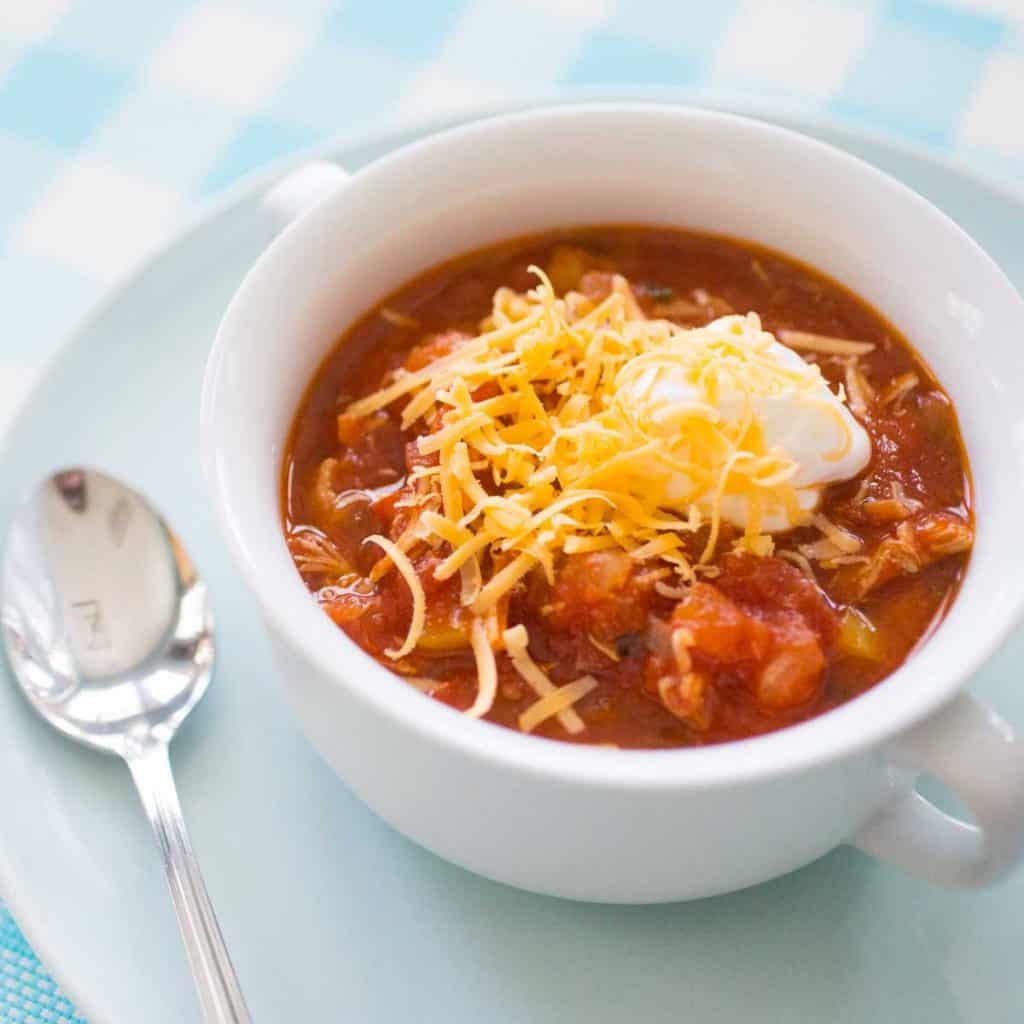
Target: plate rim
x,y
393,132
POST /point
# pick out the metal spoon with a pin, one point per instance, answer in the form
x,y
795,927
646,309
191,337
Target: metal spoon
x,y
109,633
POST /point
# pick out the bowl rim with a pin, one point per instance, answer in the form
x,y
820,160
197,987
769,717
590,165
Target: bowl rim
x,y
846,731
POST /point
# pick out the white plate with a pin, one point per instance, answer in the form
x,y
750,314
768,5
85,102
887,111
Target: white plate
x,y
332,916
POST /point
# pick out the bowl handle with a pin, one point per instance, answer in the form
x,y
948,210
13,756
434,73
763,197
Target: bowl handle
x,y
976,754
300,190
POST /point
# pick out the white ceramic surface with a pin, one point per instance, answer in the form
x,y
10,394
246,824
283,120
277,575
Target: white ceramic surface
x,y
330,914
628,826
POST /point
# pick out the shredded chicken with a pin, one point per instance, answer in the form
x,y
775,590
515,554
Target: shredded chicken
x,y
834,543
760,272
398,319
942,533
893,509
859,393
714,305
900,387
917,542
316,554
678,309
807,341
686,697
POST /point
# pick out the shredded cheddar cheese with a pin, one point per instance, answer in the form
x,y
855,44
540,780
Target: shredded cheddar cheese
x,y
573,425
486,670
551,458
517,643
419,599
845,541
556,701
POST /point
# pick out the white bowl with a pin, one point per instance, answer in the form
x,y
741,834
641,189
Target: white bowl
x,y
638,826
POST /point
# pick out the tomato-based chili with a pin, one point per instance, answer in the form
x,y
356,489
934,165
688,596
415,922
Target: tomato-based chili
x,y
635,632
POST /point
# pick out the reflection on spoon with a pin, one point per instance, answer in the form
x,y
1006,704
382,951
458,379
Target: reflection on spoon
x,y
109,633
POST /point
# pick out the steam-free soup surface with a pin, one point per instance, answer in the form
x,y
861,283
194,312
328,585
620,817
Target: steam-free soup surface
x,y
662,653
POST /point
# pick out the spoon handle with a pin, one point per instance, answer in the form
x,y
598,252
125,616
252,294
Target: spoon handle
x,y
216,982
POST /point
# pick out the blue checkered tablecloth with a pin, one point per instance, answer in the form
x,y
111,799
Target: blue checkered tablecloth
x,y
119,117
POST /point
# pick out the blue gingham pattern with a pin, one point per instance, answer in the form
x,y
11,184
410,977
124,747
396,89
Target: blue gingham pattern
x,y
119,117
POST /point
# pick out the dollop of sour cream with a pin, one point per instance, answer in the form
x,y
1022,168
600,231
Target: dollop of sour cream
x,y
795,411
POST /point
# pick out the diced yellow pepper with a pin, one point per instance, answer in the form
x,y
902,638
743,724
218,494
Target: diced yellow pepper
x,y
441,637
858,638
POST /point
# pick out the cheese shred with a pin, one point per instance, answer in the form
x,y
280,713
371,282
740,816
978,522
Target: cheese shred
x,y
548,441
545,436
517,643
419,598
486,670
556,702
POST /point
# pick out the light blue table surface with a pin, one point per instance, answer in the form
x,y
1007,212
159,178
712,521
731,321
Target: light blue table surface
x,y
119,118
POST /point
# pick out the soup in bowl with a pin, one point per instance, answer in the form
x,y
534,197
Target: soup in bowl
x,y
577,486
645,429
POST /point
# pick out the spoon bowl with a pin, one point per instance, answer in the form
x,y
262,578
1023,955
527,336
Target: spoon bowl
x,y
109,633
105,622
